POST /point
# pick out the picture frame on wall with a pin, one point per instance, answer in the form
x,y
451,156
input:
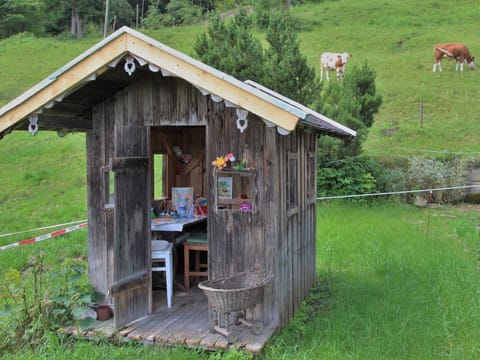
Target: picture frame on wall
x,y
225,187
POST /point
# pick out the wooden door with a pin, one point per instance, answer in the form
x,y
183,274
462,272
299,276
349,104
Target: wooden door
x,y
131,289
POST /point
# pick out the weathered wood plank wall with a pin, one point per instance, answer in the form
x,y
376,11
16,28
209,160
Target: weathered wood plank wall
x,y
297,266
237,238
174,102
99,151
153,101
272,222
132,201
310,185
279,239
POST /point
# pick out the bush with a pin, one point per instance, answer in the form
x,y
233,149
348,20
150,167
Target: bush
x,y
363,175
37,303
348,177
429,173
176,12
392,180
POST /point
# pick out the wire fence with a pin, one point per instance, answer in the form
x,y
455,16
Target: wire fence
x,y
397,192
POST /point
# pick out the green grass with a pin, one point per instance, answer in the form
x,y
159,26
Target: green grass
x,y
397,40
106,351
43,182
402,282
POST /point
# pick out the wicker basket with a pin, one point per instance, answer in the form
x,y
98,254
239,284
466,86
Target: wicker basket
x,y
239,292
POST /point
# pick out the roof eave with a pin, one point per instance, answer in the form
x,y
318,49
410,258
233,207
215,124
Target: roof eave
x,y
310,117
271,106
71,76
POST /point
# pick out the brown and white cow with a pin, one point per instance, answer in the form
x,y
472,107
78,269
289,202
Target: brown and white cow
x,y
457,51
333,61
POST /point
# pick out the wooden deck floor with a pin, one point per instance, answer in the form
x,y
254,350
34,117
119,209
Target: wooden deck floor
x,y
185,323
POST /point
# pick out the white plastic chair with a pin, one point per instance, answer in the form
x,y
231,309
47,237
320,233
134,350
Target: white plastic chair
x,y
162,261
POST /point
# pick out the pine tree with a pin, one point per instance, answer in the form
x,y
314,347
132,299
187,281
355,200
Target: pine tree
x,y
286,66
231,47
353,102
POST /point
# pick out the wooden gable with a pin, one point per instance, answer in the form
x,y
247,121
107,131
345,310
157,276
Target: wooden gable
x,y
54,101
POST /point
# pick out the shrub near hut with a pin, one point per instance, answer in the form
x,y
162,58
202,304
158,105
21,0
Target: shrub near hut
x,y
348,177
39,301
429,173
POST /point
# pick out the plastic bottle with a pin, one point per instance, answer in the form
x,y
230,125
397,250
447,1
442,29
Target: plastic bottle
x,y
182,211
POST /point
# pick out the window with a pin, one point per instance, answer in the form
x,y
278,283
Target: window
x,y
109,185
159,173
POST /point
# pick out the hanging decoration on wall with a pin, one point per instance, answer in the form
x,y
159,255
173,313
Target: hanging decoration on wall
x,y
129,66
33,123
184,158
242,122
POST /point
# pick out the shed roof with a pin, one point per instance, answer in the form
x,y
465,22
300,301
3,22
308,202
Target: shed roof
x,y
64,100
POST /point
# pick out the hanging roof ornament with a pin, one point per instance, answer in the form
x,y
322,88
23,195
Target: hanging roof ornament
x,y
242,122
129,66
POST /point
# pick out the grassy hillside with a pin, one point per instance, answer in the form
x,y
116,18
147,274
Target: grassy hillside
x,y
43,177
397,40
395,37
401,281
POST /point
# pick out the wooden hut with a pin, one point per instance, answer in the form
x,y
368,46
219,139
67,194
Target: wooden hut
x,y
134,98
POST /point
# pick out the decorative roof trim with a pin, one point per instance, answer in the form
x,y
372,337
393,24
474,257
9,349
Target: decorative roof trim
x,y
266,104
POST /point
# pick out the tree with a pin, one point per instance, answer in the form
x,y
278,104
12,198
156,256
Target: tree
x,y
76,24
21,16
230,47
176,12
183,12
53,17
352,102
286,66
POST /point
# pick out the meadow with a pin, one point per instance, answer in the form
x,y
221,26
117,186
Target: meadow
x,y
394,281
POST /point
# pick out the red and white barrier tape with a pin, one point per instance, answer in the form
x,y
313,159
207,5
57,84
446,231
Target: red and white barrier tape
x,y
44,237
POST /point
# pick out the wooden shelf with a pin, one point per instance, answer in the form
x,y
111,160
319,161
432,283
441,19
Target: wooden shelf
x,y
235,201
235,182
242,172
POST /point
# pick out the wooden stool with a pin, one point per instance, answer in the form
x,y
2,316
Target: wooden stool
x,y
195,243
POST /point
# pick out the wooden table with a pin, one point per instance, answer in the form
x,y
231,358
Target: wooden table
x,y
175,225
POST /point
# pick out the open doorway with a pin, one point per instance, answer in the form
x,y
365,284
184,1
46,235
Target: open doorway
x,y
179,169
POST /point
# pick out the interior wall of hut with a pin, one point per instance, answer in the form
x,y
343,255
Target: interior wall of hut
x,y
184,158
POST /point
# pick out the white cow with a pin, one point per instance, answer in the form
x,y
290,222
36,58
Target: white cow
x,y
333,61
